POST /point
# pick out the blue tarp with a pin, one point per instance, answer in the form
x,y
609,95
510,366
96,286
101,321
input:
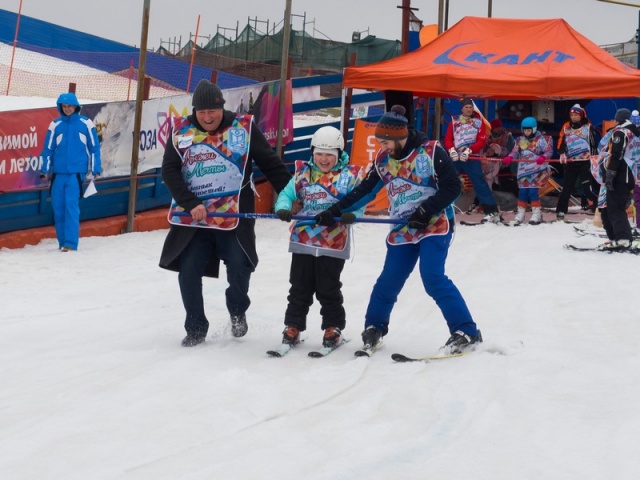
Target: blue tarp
x,y
102,54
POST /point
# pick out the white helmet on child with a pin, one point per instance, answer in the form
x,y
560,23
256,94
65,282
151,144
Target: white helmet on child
x,y
328,138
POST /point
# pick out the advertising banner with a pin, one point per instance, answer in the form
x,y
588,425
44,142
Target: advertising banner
x,y
22,133
363,152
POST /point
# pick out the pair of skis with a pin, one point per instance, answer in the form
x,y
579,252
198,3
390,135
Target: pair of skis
x,y
367,351
285,348
576,248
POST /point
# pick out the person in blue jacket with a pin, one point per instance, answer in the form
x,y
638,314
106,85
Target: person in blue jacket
x,y
422,184
71,150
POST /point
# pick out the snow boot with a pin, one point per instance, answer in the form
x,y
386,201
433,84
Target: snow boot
x,y
520,215
536,216
492,217
192,339
332,337
614,246
291,335
239,325
371,337
460,342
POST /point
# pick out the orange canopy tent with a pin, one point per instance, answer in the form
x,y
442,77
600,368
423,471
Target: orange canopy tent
x,y
503,58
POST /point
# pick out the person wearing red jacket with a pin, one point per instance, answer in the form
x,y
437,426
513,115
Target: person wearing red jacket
x,y
576,143
466,136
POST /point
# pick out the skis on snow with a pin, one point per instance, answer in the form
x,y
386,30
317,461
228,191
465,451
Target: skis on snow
x,y
368,350
398,357
281,350
576,248
324,351
285,348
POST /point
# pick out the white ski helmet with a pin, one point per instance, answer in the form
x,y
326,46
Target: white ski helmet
x,y
328,138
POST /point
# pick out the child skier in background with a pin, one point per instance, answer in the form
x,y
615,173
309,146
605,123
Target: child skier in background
x,y
532,174
318,252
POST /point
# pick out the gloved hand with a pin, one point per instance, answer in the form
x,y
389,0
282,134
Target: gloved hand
x,y
541,159
419,219
464,154
325,218
609,176
284,215
563,158
453,154
348,218
507,160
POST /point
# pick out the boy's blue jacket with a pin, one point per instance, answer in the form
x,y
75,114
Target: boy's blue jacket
x,y
71,144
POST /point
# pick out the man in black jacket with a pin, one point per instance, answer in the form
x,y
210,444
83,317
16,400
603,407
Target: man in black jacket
x,y
207,167
619,181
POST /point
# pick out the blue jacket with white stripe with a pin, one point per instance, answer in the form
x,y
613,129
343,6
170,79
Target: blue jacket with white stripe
x,y
71,144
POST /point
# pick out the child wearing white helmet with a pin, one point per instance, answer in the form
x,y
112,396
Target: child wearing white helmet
x,y
318,253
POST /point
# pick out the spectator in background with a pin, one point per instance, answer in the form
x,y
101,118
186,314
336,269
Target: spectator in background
x,y
635,119
577,141
71,150
533,149
466,136
221,148
499,143
620,173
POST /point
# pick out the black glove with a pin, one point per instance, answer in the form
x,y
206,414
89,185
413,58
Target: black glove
x,y
610,175
419,219
325,218
284,215
347,218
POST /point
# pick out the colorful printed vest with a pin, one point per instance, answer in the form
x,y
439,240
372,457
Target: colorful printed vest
x,y
319,191
530,174
600,162
465,131
577,142
409,182
213,167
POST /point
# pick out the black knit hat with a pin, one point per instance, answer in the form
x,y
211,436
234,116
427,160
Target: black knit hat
x,y
207,96
393,124
622,115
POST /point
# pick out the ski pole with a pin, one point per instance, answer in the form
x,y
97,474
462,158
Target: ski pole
x,y
293,217
520,160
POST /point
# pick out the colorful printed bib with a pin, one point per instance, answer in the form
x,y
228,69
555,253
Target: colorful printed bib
x,y
213,168
530,174
319,191
409,182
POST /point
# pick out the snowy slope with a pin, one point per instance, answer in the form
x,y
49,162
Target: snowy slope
x,y
95,383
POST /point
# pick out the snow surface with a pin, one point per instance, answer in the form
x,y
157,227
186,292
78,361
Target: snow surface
x,y
95,384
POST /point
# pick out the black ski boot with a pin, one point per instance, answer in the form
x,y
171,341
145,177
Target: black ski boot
x,y
460,341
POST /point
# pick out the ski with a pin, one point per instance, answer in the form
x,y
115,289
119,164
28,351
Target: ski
x,y
281,351
635,233
367,351
586,233
324,351
475,224
576,248
398,357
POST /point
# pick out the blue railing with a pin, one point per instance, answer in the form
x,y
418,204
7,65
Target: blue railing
x,y
32,208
